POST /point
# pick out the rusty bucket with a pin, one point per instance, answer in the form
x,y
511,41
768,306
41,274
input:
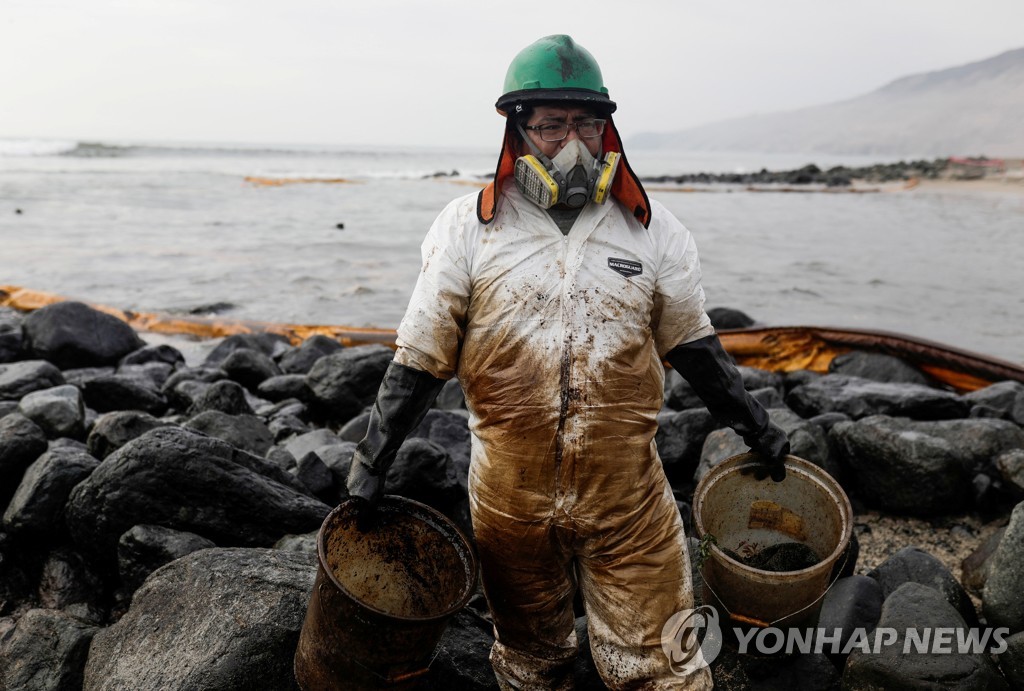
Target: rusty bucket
x,y
382,598
745,515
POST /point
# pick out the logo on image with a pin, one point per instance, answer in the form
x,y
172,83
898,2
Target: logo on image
x,y
691,639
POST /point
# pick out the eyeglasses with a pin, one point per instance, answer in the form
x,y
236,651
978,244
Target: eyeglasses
x,y
587,129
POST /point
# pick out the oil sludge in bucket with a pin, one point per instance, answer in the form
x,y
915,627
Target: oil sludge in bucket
x,y
382,597
744,515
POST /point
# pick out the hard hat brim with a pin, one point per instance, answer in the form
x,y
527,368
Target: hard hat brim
x,y
565,94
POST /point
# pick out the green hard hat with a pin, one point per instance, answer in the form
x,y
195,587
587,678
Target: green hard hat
x,y
555,68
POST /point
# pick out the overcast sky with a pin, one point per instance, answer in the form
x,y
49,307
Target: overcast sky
x,y
389,72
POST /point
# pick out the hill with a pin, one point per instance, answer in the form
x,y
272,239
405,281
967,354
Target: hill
x,y
972,109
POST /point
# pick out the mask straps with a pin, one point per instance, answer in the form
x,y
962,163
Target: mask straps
x,y
545,161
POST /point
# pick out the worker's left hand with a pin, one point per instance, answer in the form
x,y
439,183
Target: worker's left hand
x,y
772,445
366,489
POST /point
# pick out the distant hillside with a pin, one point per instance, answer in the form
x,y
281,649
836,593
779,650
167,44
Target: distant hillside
x,y
968,110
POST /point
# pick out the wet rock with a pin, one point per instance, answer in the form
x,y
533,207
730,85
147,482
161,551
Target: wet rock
x,y
451,396
67,580
462,661
347,381
305,543
1010,465
338,459
150,374
270,344
301,359
679,439
918,607
975,567
59,412
681,396
189,375
145,548
21,442
72,334
861,398
877,367
245,432
285,386
162,353
1003,594
119,392
355,429
1006,397
79,375
178,479
853,602
249,367
285,426
914,565
976,442
728,318
806,440
791,380
449,430
768,397
314,474
12,341
7,407
754,379
37,506
901,469
214,619
423,471
46,651
1011,661
19,379
224,396
311,441
826,421
114,430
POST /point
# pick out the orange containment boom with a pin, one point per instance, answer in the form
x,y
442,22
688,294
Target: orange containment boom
x,y
779,349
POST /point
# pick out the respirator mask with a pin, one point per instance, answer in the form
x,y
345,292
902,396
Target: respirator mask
x,y
573,177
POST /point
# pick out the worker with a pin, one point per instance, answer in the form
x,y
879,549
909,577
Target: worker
x,y
555,294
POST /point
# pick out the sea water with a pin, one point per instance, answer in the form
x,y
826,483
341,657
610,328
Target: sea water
x,y
178,228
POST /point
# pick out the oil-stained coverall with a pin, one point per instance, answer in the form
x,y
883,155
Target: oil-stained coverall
x,y
558,342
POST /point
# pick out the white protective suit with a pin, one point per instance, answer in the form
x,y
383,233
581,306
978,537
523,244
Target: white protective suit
x,y
557,341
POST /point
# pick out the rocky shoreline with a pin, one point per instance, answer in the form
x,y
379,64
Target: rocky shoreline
x,y
811,174
159,519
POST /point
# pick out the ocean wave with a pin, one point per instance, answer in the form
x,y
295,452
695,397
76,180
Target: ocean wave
x,y
35,147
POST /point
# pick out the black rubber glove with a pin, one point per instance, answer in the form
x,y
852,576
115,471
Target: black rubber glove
x,y
403,399
715,378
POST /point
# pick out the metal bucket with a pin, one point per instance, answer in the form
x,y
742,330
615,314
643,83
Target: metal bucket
x,y
746,514
382,598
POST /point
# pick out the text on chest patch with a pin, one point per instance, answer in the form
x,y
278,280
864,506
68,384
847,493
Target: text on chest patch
x,y
625,267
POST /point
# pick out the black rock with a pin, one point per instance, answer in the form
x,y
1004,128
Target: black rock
x,y
679,439
826,421
72,334
310,442
914,565
145,548
224,396
423,471
66,581
59,412
901,470
877,367
975,567
851,603
79,375
1003,594
285,426
202,374
769,397
977,442
1006,397
119,392
38,504
114,430
249,367
451,396
1010,465
270,344
285,386
214,619
301,359
315,475
21,443
791,380
162,353
449,430
245,432
154,374
46,651
12,342
728,318
919,608
462,656
305,543
755,378
355,429
347,381
860,398
338,459
182,480
18,379
681,396
1011,661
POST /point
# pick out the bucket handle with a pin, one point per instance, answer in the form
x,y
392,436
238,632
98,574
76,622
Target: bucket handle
x,y
391,679
760,623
